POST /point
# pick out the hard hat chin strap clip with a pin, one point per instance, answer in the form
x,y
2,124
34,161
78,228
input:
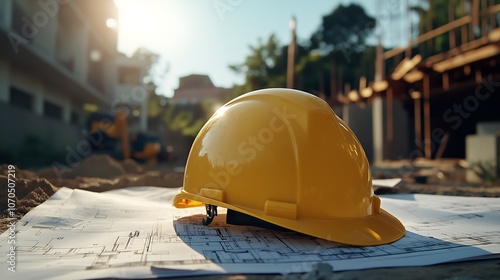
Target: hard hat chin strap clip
x,y
211,213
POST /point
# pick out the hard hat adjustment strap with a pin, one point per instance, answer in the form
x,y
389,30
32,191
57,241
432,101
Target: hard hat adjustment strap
x,y
211,213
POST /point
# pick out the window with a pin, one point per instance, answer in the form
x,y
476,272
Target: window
x,y
75,118
21,99
52,110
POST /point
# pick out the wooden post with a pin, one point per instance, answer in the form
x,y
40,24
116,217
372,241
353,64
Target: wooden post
x,y
340,79
390,123
451,17
345,104
484,18
418,120
333,82
446,81
290,77
430,42
427,117
463,31
379,63
492,15
475,18
321,85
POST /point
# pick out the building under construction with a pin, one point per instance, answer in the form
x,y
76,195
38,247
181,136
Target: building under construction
x,y
438,96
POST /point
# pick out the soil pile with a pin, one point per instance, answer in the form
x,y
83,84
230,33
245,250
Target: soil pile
x,y
96,173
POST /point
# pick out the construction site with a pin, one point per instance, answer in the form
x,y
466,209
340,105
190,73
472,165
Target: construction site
x,y
404,130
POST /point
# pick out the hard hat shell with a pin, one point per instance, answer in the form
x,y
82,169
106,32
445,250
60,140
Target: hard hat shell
x,y
283,156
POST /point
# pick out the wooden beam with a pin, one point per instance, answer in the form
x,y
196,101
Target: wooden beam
x,y
466,58
462,84
494,35
494,8
431,34
405,66
380,86
430,61
414,76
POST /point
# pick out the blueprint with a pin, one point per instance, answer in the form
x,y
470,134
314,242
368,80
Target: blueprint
x,y
136,233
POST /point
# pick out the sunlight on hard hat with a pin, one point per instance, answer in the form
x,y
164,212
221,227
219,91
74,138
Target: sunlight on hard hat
x,y
220,111
374,234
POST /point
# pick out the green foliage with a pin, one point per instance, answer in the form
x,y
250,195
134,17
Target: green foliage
x,y
345,28
440,17
264,67
183,119
156,71
487,171
339,45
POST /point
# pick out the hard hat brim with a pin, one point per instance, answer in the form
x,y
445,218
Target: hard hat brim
x,y
375,229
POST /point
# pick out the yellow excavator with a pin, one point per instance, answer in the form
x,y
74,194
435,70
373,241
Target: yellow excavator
x,y
117,142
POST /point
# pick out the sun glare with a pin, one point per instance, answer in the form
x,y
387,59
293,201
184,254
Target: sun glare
x,y
150,23
137,16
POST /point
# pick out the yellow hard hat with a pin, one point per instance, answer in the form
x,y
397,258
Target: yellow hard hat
x,y
284,157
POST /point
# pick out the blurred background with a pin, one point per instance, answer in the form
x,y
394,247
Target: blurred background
x,y
417,80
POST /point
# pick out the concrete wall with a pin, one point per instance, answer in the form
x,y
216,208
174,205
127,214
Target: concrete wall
x,y
6,14
17,123
41,91
400,147
360,121
369,123
4,80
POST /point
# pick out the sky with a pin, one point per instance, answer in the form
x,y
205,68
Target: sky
x,y
206,36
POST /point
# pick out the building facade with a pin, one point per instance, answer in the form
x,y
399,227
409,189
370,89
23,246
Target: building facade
x,y
196,88
57,57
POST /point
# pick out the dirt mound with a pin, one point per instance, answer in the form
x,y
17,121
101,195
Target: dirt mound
x,y
28,193
151,178
132,167
95,166
20,174
96,173
100,166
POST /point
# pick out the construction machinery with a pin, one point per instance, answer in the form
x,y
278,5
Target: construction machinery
x,y
117,141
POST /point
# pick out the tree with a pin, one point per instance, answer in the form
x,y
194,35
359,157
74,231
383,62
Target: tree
x,y
156,71
264,67
341,39
345,30
439,16
334,50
